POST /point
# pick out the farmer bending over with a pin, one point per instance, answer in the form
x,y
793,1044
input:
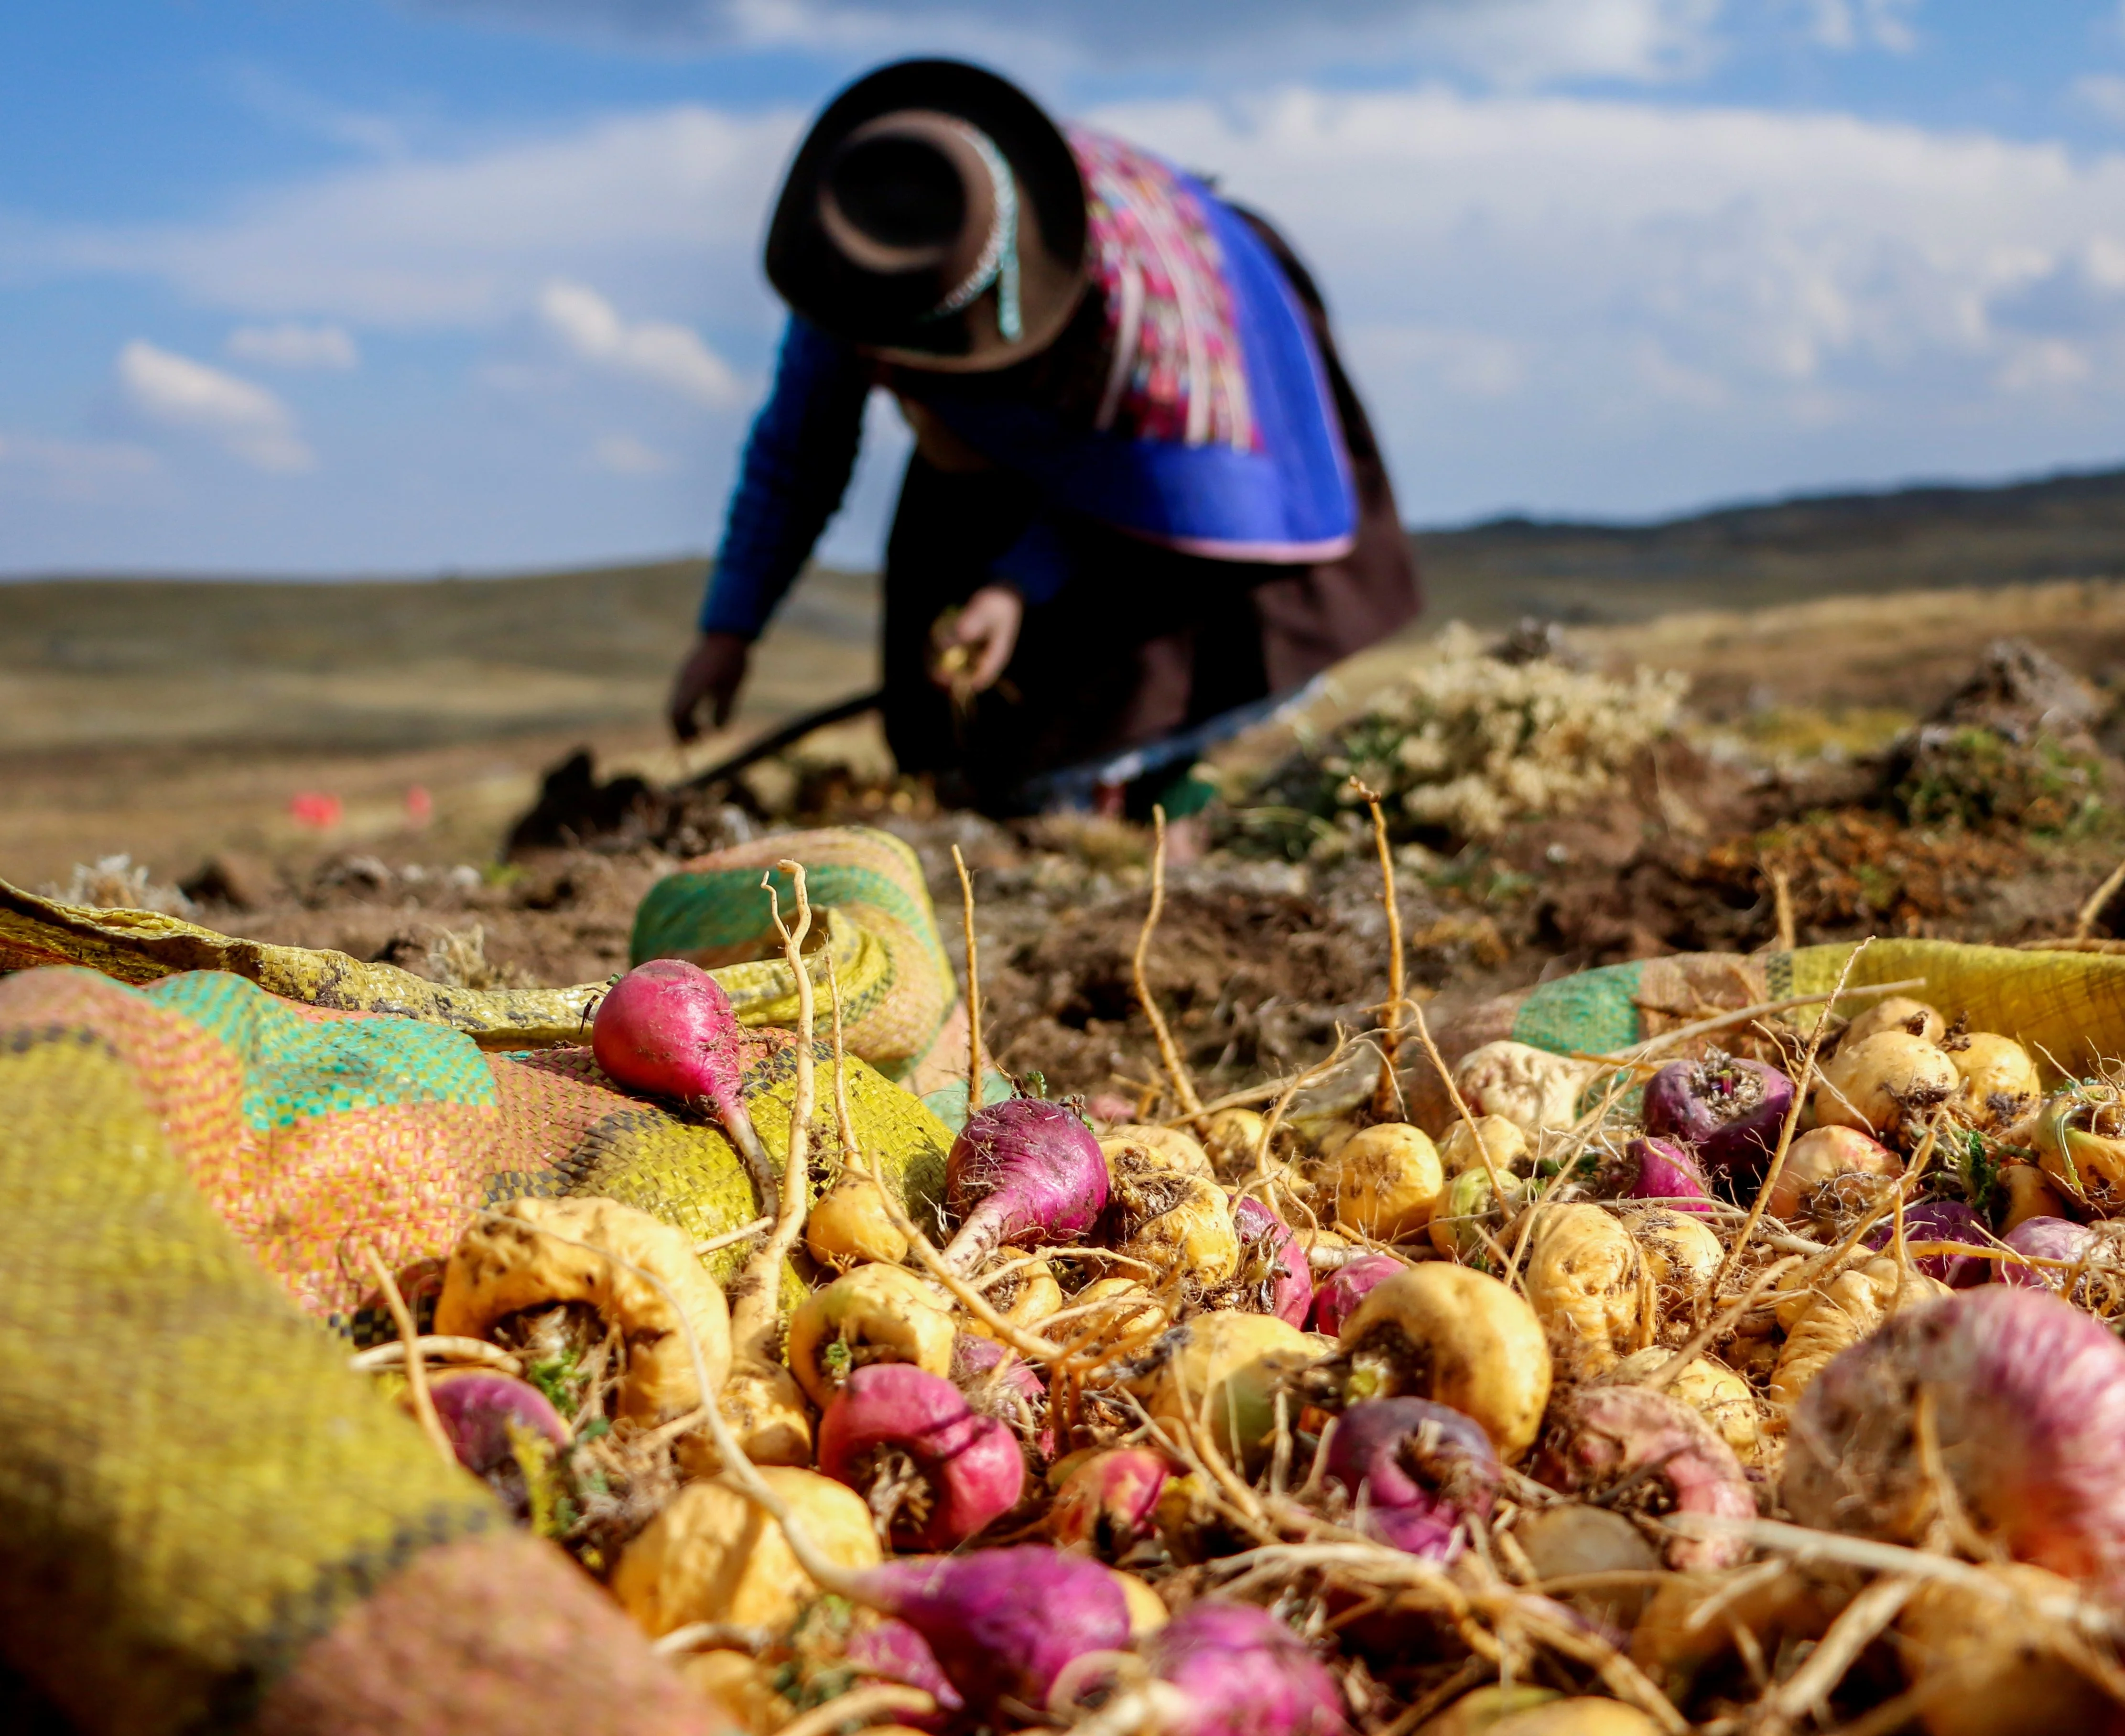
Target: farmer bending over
x,y
1143,495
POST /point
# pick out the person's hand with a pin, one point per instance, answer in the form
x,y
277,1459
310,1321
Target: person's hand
x,y
983,635
714,671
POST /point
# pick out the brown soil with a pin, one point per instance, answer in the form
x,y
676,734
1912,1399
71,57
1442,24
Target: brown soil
x,y
1255,962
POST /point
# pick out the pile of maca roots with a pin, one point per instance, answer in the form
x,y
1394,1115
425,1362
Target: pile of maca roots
x,y
1694,1394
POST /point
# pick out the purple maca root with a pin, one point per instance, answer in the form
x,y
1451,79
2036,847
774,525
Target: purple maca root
x,y
1942,1220
1026,1172
1415,1472
935,1470
1728,1110
1004,1623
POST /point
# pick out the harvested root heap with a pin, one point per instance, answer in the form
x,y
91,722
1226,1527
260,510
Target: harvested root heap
x,y
1646,1394
1764,1377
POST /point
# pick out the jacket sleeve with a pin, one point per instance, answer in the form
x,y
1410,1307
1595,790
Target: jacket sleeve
x,y
796,468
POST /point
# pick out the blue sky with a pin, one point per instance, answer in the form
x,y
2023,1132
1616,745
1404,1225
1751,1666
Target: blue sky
x,y
369,286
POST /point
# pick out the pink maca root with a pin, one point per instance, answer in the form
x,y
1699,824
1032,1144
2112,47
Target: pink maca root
x,y
667,1028
935,1469
1337,1296
1653,1453
2024,1398
1242,1673
1110,1501
1271,1261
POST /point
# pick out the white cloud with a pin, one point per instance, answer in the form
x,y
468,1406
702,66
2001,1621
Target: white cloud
x,y
178,393
625,455
671,356
293,345
1850,24
659,205
1512,41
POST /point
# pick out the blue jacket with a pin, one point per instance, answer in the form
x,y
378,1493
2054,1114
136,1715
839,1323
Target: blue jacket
x,y
1289,499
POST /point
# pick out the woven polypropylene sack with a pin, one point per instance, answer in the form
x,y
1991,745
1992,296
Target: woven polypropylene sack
x,y
900,1008
2066,1008
867,891
316,1133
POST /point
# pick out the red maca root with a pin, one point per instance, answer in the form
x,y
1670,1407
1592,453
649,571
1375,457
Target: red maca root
x,y
935,1470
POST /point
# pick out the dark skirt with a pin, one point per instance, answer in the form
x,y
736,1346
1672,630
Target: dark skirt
x,y
1142,641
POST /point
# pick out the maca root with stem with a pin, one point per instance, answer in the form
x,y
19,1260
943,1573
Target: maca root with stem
x,y
762,1397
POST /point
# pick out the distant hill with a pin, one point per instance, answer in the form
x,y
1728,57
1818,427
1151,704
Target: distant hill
x,y
1758,556
89,662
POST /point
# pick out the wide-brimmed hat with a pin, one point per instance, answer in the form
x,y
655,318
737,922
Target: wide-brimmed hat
x,y
934,217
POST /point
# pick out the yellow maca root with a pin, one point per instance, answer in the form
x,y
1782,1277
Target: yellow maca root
x,y
1576,1538
2001,1657
1170,1147
1674,1643
1147,1609
1875,1085
1822,1154
713,1555
849,1226
1836,1316
1586,1281
504,1263
1459,1338
765,1410
1176,1223
1535,1090
1025,1296
1468,1210
875,1313
2029,1195
1132,1314
1681,1251
740,1686
1999,1079
1713,1390
1384,1182
1224,1369
1502,1140
1233,1139
1898,1013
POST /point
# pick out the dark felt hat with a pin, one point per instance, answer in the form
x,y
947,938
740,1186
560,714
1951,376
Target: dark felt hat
x,y
934,217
